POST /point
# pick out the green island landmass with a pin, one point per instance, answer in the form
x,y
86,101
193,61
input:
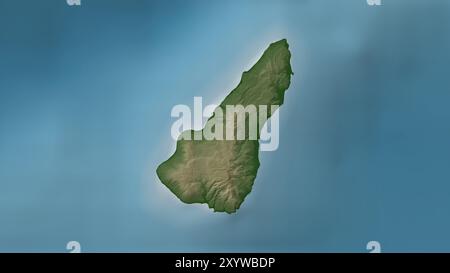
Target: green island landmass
x,y
221,172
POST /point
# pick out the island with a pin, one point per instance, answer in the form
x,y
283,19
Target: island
x,y
221,172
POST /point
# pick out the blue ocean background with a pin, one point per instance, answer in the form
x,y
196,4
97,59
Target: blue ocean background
x,y
85,100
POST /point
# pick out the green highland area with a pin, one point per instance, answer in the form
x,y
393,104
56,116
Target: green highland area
x,y
221,172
